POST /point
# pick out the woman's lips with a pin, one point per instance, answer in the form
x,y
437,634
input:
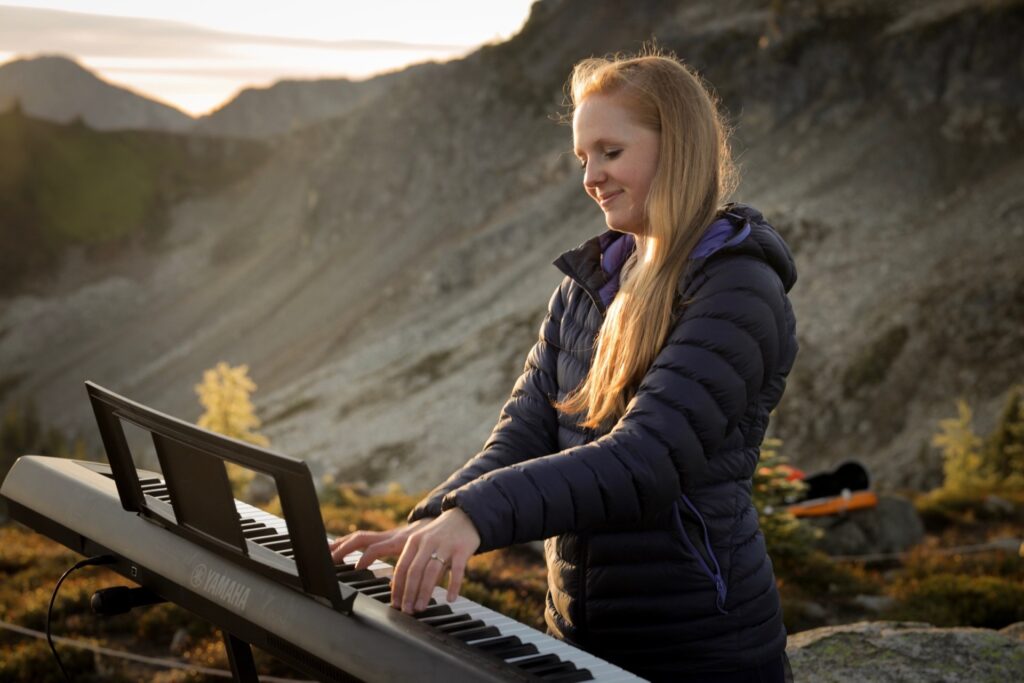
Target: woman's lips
x,y
608,199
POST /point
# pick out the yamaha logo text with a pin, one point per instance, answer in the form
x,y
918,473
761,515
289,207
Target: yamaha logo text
x,y
217,585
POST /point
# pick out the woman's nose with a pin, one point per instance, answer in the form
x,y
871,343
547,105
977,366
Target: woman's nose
x,y
593,175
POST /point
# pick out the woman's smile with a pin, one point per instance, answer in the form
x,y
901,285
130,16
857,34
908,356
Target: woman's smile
x,y
607,199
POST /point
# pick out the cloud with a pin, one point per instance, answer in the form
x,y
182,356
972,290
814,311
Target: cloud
x,y
31,30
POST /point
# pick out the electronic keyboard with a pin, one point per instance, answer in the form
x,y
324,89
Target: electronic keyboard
x,y
257,592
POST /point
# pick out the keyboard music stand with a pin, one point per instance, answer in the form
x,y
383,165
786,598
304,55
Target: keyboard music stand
x,y
192,460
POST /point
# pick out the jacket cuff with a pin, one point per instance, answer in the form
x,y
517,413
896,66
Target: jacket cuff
x,y
428,507
480,501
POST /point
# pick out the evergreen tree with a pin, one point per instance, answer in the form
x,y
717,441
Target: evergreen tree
x,y
1004,448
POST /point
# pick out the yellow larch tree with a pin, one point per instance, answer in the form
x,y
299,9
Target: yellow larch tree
x,y
224,393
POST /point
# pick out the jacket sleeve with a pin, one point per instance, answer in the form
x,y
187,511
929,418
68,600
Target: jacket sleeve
x,y
527,426
720,352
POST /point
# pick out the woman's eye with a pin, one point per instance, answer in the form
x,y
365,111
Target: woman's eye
x,y
583,163
612,153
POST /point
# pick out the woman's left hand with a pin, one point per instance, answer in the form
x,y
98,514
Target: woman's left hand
x,y
445,542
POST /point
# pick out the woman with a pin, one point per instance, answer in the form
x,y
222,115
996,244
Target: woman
x,y
630,440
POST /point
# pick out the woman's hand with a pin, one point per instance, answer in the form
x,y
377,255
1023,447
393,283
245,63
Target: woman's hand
x,y
374,544
451,537
445,542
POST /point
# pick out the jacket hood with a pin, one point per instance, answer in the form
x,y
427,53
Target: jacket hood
x,y
763,242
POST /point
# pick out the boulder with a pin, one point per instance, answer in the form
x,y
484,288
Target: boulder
x,y
890,527
905,652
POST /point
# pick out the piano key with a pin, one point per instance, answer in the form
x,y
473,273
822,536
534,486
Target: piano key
x,y
476,633
280,544
455,617
258,532
459,626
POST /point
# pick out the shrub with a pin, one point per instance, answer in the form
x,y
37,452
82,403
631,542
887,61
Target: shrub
x,y
956,600
786,536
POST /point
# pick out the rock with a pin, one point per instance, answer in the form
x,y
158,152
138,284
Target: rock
x,y
890,527
180,642
907,652
874,603
1015,631
996,506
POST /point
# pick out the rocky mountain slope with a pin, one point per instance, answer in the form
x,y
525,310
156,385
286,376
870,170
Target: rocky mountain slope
x,y
287,106
385,271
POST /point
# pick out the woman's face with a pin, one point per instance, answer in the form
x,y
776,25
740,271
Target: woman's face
x,y
619,157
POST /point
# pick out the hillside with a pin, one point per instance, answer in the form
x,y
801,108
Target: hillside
x,y
384,272
56,88
67,187
289,105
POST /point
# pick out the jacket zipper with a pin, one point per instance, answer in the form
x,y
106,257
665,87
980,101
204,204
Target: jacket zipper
x,y
583,629
716,574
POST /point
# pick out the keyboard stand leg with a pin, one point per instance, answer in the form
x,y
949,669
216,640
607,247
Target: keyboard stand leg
x,y
240,655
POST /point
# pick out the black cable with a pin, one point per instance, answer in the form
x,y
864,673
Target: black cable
x,y
99,559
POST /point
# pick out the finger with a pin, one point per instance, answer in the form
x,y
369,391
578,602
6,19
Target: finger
x,y
414,578
458,571
352,542
392,546
398,576
433,570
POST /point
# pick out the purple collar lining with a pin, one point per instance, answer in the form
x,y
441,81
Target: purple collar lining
x,y
616,248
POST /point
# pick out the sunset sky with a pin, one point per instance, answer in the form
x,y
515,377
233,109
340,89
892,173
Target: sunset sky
x,y
197,54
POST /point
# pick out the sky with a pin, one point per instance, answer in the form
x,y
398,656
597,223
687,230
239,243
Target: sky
x,y
197,54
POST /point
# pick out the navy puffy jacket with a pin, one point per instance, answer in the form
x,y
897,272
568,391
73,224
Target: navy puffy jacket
x,y
655,558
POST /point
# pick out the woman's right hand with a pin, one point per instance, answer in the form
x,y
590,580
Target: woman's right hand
x,y
374,544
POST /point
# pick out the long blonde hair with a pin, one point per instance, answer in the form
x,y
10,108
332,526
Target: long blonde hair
x,y
695,175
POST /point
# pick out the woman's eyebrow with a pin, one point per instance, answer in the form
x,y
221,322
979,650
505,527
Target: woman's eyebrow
x,y
600,142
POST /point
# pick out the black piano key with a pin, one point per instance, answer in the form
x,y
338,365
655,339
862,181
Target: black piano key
x,y
355,575
433,611
477,633
344,567
515,651
460,626
369,583
570,677
442,621
537,662
382,597
259,532
283,544
494,644
553,669
276,537
374,590
150,481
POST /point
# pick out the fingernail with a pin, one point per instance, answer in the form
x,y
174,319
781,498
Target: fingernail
x,y
420,605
